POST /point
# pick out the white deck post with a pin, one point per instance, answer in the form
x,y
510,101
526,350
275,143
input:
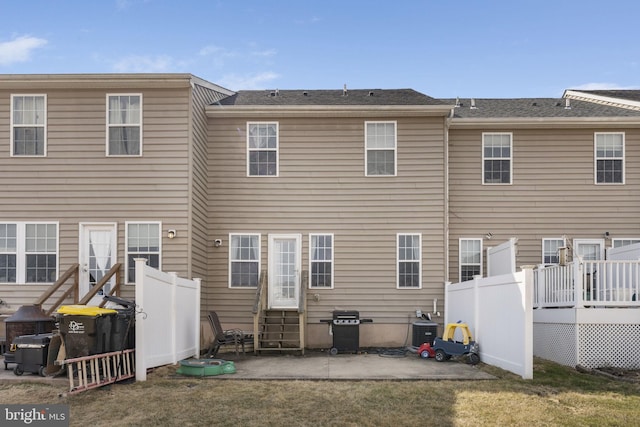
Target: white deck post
x,y
141,367
578,285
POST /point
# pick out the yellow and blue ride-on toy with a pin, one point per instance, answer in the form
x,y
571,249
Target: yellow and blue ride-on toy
x,y
446,347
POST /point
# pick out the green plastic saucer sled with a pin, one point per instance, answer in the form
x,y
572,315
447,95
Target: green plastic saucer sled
x,y
206,367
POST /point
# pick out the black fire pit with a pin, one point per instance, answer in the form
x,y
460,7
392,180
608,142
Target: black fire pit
x,y
27,320
345,328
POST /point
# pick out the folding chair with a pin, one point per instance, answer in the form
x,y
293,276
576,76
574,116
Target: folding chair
x,y
222,337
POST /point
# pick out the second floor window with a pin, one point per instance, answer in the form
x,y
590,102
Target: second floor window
x,y
496,158
380,143
262,149
28,125
609,154
124,125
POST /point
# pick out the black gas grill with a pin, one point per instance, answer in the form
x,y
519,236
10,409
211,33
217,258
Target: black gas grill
x,y
345,328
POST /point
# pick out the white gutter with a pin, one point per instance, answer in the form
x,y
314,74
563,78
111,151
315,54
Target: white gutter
x,y
218,110
543,122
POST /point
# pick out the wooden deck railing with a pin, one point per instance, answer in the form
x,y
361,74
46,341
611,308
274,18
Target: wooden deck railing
x,y
74,289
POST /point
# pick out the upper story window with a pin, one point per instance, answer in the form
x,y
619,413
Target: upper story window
x,y
409,261
244,260
380,144
496,158
28,252
28,125
551,251
609,157
262,149
143,241
470,258
321,260
124,125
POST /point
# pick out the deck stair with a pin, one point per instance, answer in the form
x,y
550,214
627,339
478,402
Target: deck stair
x,y
278,330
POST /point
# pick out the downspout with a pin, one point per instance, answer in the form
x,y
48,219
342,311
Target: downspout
x,y
446,123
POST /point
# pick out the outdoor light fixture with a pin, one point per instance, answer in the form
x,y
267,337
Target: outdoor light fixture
x,y
217,243
606,234
488,236
171,234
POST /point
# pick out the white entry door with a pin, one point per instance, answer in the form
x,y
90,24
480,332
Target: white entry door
x,y
284,270
97,256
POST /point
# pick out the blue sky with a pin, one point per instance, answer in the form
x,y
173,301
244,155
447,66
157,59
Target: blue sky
x,y
466,48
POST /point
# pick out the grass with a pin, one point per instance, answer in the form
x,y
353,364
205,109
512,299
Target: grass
x,y
556,396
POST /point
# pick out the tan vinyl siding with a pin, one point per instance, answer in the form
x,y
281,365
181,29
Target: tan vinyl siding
x,y
322,188
76,182
199,235
553,192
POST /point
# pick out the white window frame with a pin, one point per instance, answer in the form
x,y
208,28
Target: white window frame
x,y
231,260
578,242
398,260
276,150
461,264
544,252
367,149
596,158
624,241
109,125
14,125
330,260
126,246
21,251
510,158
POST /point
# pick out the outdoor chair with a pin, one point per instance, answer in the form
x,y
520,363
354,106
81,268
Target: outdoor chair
x,y
223,337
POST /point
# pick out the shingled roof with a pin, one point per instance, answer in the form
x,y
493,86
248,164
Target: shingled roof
x,y
535,108
364,97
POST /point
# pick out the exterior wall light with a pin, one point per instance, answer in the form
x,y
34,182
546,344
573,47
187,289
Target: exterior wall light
x,y
217,243
171,234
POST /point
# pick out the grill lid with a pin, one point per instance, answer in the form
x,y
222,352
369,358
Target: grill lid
x,y
29,313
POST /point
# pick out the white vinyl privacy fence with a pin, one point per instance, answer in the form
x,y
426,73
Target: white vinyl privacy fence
x,y
168,318
499,312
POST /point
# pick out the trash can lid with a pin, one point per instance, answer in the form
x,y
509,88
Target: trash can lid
x,y
84,310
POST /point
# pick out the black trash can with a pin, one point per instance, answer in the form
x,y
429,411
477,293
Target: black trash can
x,y
423,332
31,353
122,325
85,330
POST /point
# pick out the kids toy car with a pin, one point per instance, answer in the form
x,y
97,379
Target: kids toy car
x,y
445,347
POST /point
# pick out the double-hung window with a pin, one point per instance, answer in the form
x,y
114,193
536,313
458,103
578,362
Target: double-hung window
x,y
244,260
470,258
496,158
609,157
28,252
618,243
124,125
28,125
262,149
321,260
551,251
380,147
143,241
409,261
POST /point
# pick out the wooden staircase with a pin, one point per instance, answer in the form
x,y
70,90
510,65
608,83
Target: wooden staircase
x,y
278,330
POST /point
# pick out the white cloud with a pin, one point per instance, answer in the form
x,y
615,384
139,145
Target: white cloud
x,y
264,53
601,86
149,64
248,82
19,49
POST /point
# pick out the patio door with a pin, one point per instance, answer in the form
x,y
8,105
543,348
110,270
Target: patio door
x,y
589,250
284,270
97,255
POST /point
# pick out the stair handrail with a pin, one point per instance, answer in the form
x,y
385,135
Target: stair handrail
x,y
258,305
115,270
74,271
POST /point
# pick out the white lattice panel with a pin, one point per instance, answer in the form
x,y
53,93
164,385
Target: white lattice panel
x,y
555,342
609,345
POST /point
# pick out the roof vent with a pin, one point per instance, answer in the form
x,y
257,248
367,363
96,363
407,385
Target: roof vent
x,y
535,104
305,93
473,104
275,92
370,93
558,104
457,102
344,90
567,104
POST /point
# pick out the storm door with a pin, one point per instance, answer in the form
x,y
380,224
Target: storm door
x,y
284,270
97,256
